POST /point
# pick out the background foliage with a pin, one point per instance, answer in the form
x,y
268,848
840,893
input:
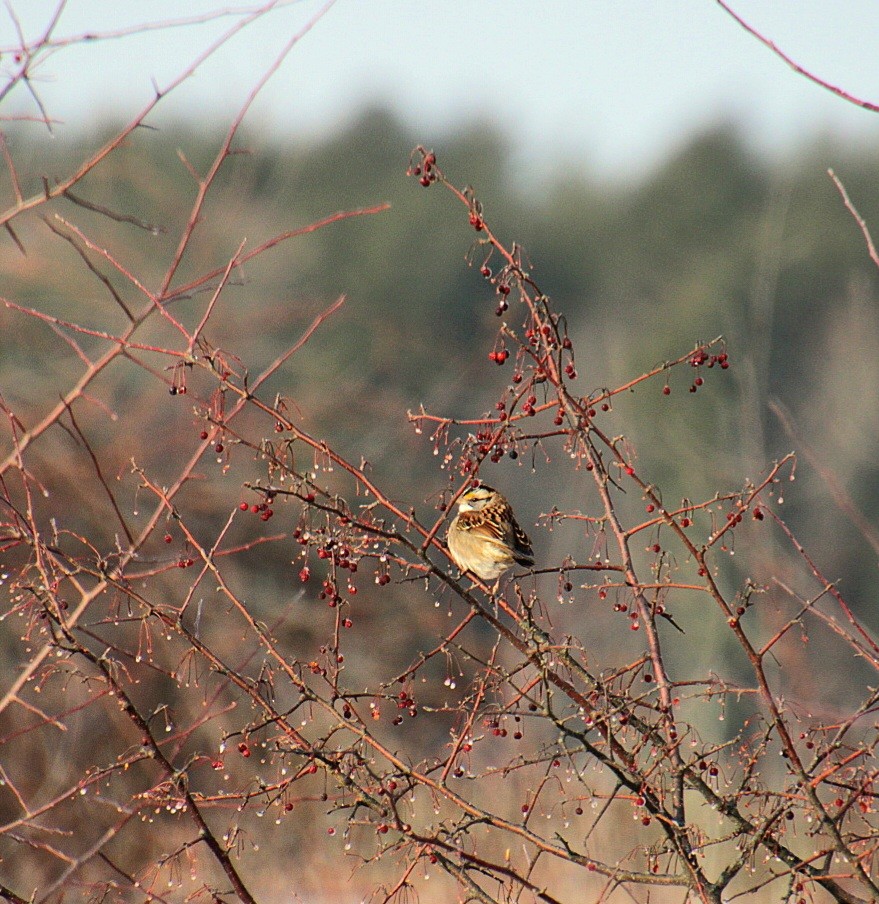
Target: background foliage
x,y
716,241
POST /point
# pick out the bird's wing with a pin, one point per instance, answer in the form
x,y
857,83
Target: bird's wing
x,y
478,523
496,524
521,543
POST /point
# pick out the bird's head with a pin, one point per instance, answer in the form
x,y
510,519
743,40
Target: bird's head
x,y
477,498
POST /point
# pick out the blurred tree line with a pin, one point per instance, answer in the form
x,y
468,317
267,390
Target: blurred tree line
x,y
715,240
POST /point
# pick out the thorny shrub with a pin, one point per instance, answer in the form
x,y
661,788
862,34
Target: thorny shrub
x,y
163,736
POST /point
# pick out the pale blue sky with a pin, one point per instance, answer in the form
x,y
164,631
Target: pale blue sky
x,y
615,83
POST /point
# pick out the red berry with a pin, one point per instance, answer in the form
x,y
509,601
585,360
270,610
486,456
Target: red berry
x,y
666,390
244,507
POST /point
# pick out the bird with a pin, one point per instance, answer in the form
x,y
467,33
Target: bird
x,y
484,537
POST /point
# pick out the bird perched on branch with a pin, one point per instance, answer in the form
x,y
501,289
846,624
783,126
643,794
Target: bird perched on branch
x,y
484,537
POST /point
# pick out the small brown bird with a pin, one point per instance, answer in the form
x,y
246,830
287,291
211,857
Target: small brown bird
x,y
484,537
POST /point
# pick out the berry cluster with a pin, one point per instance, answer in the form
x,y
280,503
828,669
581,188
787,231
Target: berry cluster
x,y
407,702
262,509
424,169
699,358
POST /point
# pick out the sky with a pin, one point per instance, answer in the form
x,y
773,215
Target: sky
x,y
616,85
